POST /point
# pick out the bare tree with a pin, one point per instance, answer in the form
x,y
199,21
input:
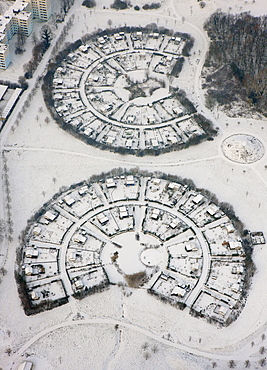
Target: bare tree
x,y
46,35
34,39
147,355
262,362
231,364
8,351
65,5
145,346
21,39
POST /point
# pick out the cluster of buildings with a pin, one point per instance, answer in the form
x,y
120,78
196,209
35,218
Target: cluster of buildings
x,y
76,245
116,90
8,99
19,19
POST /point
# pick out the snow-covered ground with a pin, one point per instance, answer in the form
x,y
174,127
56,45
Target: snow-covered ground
x,y
41,158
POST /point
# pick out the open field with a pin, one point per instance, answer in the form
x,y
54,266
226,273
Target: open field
x,y
40,158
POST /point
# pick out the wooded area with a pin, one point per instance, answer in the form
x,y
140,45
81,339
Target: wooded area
x,y
238,54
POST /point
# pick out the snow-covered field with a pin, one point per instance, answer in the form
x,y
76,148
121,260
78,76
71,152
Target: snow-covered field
x,y
41,158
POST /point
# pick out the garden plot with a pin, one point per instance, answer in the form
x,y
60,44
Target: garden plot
x,y
210,306
153,138
76,59
119,41
173,287
87,53
105,45
84,241
193,201
130,138
162,112
173,107
138,39
127,62
175,45
185,265
38,271
154,41
162,224
206,214
54,290
78,258
40,255
110,222
155,190
225,279
190,128
159,190
165,64
125,187
169,136
95,278
190,247
78,202
86,118
71,79
223,241
94,128
53,231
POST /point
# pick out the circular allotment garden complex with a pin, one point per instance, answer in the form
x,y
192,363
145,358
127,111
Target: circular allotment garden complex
x,y
144,231
119,90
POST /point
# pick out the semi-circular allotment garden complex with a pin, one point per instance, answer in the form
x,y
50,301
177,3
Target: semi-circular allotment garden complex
x,y
158,233
119,90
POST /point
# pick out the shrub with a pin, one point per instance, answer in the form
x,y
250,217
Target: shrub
x,y
151,6
136,280
120,5
89,3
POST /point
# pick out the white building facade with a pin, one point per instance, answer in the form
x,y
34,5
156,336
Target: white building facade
x,y
19,18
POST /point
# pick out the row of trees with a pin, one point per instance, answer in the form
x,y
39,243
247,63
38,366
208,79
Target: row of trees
x,y
41,45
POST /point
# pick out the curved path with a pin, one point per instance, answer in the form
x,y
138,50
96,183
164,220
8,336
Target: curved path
x,y
135,162
139,329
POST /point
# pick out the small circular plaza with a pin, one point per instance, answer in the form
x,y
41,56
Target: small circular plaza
x,y
119,90
243,148
141,231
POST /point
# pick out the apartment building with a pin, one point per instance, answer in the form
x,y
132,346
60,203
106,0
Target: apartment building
x,y
41,9
4,56
19,18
